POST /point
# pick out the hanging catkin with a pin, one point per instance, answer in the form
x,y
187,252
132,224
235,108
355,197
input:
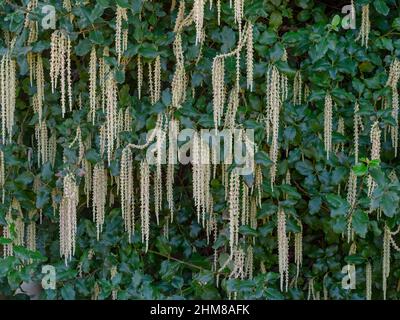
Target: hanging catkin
x,y
145,202
328,125
198,15
388,242
8,95
375,139
233,202
365,26
283,250
352,200
60,67
111,125
274,104
358,126
2,176
139,76
39,86
249,57
172,159
394,74
121,34
298,249
368,281
99,190
68,207
92,83
297,88
127,191
161,136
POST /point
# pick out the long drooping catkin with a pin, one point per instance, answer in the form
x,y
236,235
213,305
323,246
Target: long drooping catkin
x,y
249,57
233,203
145,202
198,15
283,250
172,158
368,281
393,79
365,26
111,125
358,126
127,191
60,67
99,190
274,103
2,176
375,138
8,95
121,34
388,243
328,125
92,83
68,210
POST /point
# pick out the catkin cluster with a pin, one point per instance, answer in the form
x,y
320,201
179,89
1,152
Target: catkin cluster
x,y
365,26
8,96
99,190
394,75
121,33
60,67
68,218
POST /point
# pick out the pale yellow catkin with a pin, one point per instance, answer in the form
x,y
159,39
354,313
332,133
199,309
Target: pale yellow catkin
x,y
99,195
68,217
87,189
233,208
283,250
39,85
328,125
139,76
161,137
352,200
298,249
111,125
145,202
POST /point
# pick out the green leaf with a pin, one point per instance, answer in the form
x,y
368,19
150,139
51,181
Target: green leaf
x,y
360,169
381,7
360,222
67,292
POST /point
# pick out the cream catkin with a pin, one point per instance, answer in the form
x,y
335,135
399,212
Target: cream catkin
x,y
358,126
328,125
68,211
388,243
8,95
127,191
393,79
198,16
274,104
139,76
283,250
249,57
365,26
375,138
233,207
172,159
2,176
99,190
352,201
297,88
145,202
60,67
92,83
298,249
368,281
121,36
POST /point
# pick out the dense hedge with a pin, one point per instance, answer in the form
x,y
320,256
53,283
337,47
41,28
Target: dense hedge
x,y
314,197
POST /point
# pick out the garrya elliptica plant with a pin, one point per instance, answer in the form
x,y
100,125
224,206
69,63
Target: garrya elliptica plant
x,y
83,104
